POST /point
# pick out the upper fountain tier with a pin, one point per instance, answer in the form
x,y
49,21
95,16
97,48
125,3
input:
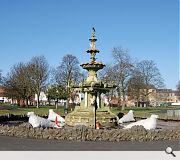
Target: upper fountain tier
x,y
93,64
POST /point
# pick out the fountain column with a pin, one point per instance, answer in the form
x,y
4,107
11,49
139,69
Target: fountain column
x,y
98,100
91,110
86,99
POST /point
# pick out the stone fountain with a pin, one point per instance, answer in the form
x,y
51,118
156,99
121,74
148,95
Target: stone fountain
x,y
92,109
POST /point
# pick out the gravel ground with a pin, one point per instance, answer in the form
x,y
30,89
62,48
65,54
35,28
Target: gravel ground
x,y
166,124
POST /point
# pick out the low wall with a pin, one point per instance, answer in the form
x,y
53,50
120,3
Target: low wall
x,y
81,133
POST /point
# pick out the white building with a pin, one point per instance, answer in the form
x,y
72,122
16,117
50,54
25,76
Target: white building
x,y
42,98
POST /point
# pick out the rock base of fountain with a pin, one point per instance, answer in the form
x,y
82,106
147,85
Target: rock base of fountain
x,y
86,116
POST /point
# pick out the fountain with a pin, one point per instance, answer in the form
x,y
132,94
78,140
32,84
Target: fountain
x,y
92,109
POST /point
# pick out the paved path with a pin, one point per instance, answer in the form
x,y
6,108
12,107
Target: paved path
x,y
21,144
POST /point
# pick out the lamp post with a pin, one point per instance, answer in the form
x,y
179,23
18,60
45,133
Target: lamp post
x,y
96,106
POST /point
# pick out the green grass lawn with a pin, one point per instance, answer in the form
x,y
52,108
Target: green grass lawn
x,y
43,110
146,112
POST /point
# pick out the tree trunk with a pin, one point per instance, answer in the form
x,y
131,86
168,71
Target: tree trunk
x,y
27,102
22,102
37,100
119,97
57,103
123,102
67,104
18,101
123,96
49,101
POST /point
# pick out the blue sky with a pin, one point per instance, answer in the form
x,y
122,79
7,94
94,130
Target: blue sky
x,y
53,28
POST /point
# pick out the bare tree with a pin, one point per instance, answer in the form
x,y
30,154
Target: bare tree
x,y
150,76
0,76
122,70
68,71
39,71
178,86
18,84
135,85
178,90
107,74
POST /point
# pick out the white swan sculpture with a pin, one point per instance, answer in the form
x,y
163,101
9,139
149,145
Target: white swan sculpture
x,y
53,116
129,117
37,121
149,123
